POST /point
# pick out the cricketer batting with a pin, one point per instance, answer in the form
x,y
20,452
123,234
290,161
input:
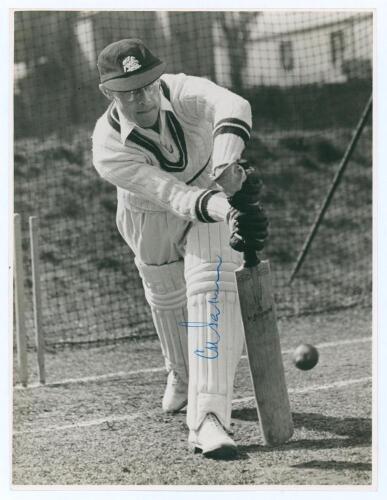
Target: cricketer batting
x,y
172,144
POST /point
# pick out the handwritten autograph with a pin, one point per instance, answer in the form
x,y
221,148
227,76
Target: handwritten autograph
x,y
211,348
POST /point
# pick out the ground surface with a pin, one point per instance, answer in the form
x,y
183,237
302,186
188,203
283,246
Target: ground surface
x,y
98,420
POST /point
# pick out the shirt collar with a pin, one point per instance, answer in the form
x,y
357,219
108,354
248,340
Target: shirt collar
x,y
127,126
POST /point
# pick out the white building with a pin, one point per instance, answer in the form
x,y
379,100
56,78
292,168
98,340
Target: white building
x,y
296,48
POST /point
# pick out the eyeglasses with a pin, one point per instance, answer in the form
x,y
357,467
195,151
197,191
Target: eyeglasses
x,y
135,95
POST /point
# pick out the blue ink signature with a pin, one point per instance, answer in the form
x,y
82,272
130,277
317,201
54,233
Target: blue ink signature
x,y
211,348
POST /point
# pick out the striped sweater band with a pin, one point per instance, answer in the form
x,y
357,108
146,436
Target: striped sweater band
x,y
201,206
233,126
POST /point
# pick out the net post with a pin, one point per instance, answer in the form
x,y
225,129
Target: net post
x,y
21,338
37,302
332,188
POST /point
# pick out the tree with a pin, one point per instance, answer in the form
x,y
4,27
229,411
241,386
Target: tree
x,y
236,27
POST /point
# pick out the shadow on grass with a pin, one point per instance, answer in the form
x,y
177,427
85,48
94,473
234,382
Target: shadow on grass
x,y
347,426
333,464
355,431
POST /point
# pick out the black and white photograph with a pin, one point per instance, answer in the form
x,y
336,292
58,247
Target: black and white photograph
x,y
192,248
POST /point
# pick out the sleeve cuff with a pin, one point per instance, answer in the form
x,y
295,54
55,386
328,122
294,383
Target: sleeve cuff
x,y
212,206
227,149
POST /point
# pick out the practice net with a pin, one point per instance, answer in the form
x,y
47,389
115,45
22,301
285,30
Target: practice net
x,y
308,77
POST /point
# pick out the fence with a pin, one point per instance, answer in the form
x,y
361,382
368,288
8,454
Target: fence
x,y
307,75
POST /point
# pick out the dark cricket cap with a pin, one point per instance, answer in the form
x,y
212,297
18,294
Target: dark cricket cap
x,y
128,65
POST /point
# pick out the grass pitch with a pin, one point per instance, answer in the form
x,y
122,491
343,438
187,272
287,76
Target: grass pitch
x,y
99,420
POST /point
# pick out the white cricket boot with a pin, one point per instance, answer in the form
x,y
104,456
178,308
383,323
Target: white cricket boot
x,y
212,440
176,393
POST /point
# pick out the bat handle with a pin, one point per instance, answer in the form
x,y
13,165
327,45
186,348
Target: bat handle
x,y
250,258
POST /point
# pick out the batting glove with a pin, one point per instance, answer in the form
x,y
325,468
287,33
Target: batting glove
x,y
248,228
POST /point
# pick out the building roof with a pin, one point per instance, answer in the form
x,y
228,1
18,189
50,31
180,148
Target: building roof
x,y
271,25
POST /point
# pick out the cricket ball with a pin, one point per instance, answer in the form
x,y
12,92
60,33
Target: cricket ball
x,y
305,357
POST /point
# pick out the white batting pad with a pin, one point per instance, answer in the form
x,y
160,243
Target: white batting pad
x,y
165,292
215,331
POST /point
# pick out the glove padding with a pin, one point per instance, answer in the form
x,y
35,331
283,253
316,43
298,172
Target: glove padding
x,y
247,219
250,191
248,228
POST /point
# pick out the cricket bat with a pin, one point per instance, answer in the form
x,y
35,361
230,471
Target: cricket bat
x,y
263,349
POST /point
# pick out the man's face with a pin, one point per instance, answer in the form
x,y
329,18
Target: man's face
x,y
140,106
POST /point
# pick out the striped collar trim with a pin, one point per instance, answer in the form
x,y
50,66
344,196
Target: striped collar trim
x,y
129,131
178,137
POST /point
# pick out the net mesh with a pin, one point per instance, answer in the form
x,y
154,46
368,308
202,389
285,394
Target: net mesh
x,y
307,75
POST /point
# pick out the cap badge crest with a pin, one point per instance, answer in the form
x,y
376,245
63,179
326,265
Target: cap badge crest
x,y
130,64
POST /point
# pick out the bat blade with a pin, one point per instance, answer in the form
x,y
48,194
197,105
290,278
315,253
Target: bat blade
x,y
264,352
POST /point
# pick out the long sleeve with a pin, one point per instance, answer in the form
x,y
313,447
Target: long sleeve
x,y
131,173
201,106
229,114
